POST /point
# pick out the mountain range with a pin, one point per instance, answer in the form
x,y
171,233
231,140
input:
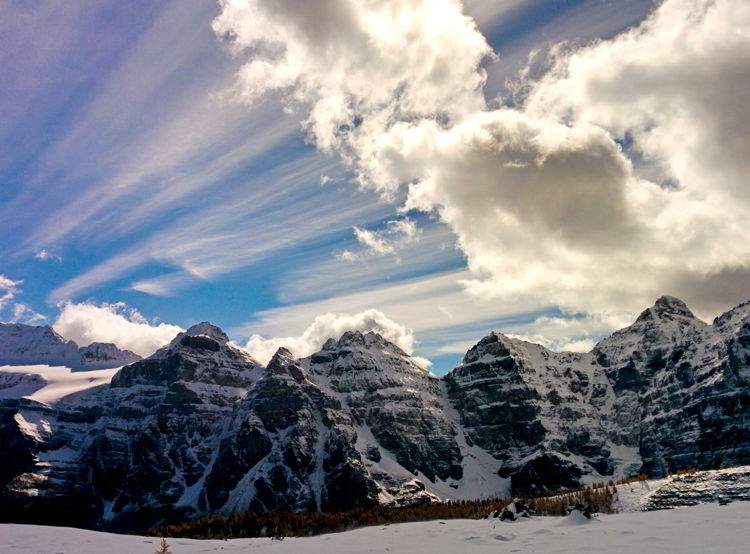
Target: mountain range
x,y
201,428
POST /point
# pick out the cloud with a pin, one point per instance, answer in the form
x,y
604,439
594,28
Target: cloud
x,y
164,285
19,312
117,323
333,325
44,256
280,211
346,256
8,290
621,169
23,313
397,234
569,333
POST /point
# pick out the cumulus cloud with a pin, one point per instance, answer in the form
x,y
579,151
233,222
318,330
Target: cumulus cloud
x,y
618,175
332,325
117,323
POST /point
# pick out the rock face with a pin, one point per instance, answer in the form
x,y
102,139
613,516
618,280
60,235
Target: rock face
x,y
393,398
28,344
201,428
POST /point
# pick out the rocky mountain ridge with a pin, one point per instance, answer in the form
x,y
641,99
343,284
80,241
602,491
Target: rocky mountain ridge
x,y
29,344
201,428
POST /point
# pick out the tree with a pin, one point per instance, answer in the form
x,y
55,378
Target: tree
x,y
163,548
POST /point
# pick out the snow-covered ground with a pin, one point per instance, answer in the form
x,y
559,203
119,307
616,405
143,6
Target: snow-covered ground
x,y
703,528
49,384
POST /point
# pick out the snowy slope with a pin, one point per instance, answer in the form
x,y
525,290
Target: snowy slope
x,y
698,529
49,384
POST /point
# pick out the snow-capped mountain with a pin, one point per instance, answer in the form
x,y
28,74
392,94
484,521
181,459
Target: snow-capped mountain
x,y
201,428
29,344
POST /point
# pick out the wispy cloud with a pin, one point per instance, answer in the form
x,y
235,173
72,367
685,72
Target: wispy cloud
x,y
426,305
356,269
8,289
396,234
280,211
10,308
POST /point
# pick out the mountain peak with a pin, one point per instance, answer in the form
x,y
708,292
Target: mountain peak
x,y
367,339
209,330
283,363
494,344
666,306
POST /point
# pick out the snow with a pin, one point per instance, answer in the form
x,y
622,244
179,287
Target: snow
x,y
699,529
49,384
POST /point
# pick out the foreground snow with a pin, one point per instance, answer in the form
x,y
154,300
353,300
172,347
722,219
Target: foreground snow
x,y
704,528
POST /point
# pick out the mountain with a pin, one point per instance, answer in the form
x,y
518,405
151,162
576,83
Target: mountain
x,y
668,392
201,428
29,344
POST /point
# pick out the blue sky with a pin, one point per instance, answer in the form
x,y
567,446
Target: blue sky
x,y
135,170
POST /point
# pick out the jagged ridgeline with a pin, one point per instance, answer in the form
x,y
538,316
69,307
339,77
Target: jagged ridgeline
x,y
200,428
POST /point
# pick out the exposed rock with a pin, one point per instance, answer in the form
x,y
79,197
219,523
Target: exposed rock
x,y
398,401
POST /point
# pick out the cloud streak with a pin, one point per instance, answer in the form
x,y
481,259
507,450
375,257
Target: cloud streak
x,y
12,309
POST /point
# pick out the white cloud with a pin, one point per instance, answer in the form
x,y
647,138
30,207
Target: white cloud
x,y
17,312
23,313
338,274
435,308
396,234
164,285
570,333
8,290
117,323
333,325
545,201
44,255
346,256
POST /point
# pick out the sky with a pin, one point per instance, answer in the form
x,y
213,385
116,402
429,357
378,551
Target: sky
x,y
431,170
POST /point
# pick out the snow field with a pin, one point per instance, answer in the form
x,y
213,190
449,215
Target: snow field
x,y
697,529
